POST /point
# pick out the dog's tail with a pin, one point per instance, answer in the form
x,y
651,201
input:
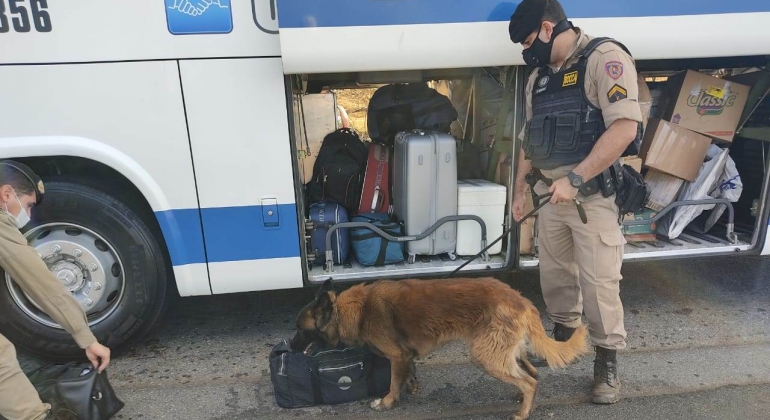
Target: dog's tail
x,y
556,353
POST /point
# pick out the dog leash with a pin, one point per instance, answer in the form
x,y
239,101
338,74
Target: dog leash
x,y
541,204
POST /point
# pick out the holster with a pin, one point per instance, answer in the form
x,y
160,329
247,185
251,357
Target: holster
x,y
632,193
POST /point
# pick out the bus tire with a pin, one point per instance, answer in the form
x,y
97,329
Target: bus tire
x,y
116,249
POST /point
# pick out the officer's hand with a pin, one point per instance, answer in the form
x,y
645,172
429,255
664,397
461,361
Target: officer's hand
x,y
99,355
562,191
519,202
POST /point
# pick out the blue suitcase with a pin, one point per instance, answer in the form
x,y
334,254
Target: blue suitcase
x,y
325,215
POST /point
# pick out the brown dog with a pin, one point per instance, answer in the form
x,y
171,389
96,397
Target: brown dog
x,y
406,319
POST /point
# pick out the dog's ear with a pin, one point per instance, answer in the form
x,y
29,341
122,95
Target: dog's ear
x,y
324,307
325,287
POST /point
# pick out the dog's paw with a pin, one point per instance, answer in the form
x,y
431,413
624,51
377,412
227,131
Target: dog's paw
x,y
380,404
376,404
412,386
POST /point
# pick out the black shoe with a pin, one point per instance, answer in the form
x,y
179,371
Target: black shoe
x,y
61,414
560,333
606,388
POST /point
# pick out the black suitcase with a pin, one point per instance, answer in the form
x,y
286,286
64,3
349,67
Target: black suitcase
x,y
328,376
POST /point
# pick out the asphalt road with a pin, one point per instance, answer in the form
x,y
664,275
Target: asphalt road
x,y
698,348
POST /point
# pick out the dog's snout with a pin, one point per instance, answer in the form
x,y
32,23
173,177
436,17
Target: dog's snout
x,y
300,341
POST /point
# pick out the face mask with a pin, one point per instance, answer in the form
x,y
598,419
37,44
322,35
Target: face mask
x,y
539,53
22,218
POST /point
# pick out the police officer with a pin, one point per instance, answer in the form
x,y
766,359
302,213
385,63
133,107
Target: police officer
x,y
582,114
20,190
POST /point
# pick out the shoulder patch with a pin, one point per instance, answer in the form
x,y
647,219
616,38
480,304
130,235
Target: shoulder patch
x,y
614,69
617,93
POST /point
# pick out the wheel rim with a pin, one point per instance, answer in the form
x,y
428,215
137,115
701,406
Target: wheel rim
x,y
84,262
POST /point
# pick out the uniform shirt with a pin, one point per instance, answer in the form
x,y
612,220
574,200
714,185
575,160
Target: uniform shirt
x,y
610,85
30,272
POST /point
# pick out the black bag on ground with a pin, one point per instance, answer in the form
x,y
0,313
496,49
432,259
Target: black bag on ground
x,y
338,172
76,388
407,106
328,376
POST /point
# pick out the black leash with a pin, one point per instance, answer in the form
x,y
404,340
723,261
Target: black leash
x,y
541,203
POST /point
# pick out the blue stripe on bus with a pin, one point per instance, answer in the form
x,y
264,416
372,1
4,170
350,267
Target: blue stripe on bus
x,y
338,13
237,234
182,231
232,234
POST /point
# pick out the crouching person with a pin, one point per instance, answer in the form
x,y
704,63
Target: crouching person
x,y
20,190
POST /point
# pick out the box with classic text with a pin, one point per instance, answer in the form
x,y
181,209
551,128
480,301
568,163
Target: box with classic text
x,y
704,104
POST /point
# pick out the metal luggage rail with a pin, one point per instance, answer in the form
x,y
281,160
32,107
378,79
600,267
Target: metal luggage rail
x,y
329,266
731,235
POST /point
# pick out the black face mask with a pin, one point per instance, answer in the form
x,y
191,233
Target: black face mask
x,y
539,53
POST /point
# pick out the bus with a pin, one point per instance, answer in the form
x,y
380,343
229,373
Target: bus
x,y
174,136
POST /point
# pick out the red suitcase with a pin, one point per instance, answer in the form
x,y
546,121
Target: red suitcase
x,y
375,196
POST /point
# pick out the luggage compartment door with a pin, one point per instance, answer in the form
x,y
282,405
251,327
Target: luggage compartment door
x,y
239,137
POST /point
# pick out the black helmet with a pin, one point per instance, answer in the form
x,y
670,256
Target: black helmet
x,y
37,182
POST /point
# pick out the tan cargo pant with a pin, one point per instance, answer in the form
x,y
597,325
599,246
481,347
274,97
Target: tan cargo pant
x,y
18,398
580,266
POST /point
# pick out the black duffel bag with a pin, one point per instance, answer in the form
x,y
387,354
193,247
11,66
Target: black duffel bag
x,y
76,388
328,376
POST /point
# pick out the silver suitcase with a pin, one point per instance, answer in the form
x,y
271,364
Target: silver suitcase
x,y
425,189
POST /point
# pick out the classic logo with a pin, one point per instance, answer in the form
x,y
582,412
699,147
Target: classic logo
x,y
570,79
706,104
543,81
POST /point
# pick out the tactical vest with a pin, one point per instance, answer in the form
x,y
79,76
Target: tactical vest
x,y
565,125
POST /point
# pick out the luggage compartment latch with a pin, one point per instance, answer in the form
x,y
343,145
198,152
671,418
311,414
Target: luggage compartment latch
x,y
270,216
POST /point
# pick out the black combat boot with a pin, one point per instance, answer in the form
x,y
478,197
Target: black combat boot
x,y
606,382
560,333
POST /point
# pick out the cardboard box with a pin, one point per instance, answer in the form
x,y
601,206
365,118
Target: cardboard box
x,y
632,161
527,229
704,104
645,100
674,150
664,189
641,233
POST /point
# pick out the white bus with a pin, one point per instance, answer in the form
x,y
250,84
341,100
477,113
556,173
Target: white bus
x,y
167,133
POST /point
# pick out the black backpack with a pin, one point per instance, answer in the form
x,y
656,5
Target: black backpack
x,y
338,172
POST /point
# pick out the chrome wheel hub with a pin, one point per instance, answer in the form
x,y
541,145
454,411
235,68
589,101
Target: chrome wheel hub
x,y
85,264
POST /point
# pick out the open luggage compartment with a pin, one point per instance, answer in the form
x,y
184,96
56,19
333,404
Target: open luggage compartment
x,y
426,166
477,96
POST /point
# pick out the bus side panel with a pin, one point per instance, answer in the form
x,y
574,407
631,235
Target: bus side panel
x,y
98,30
239,132
136,109
422,34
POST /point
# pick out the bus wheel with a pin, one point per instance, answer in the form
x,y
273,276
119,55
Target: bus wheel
x,y
101,252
